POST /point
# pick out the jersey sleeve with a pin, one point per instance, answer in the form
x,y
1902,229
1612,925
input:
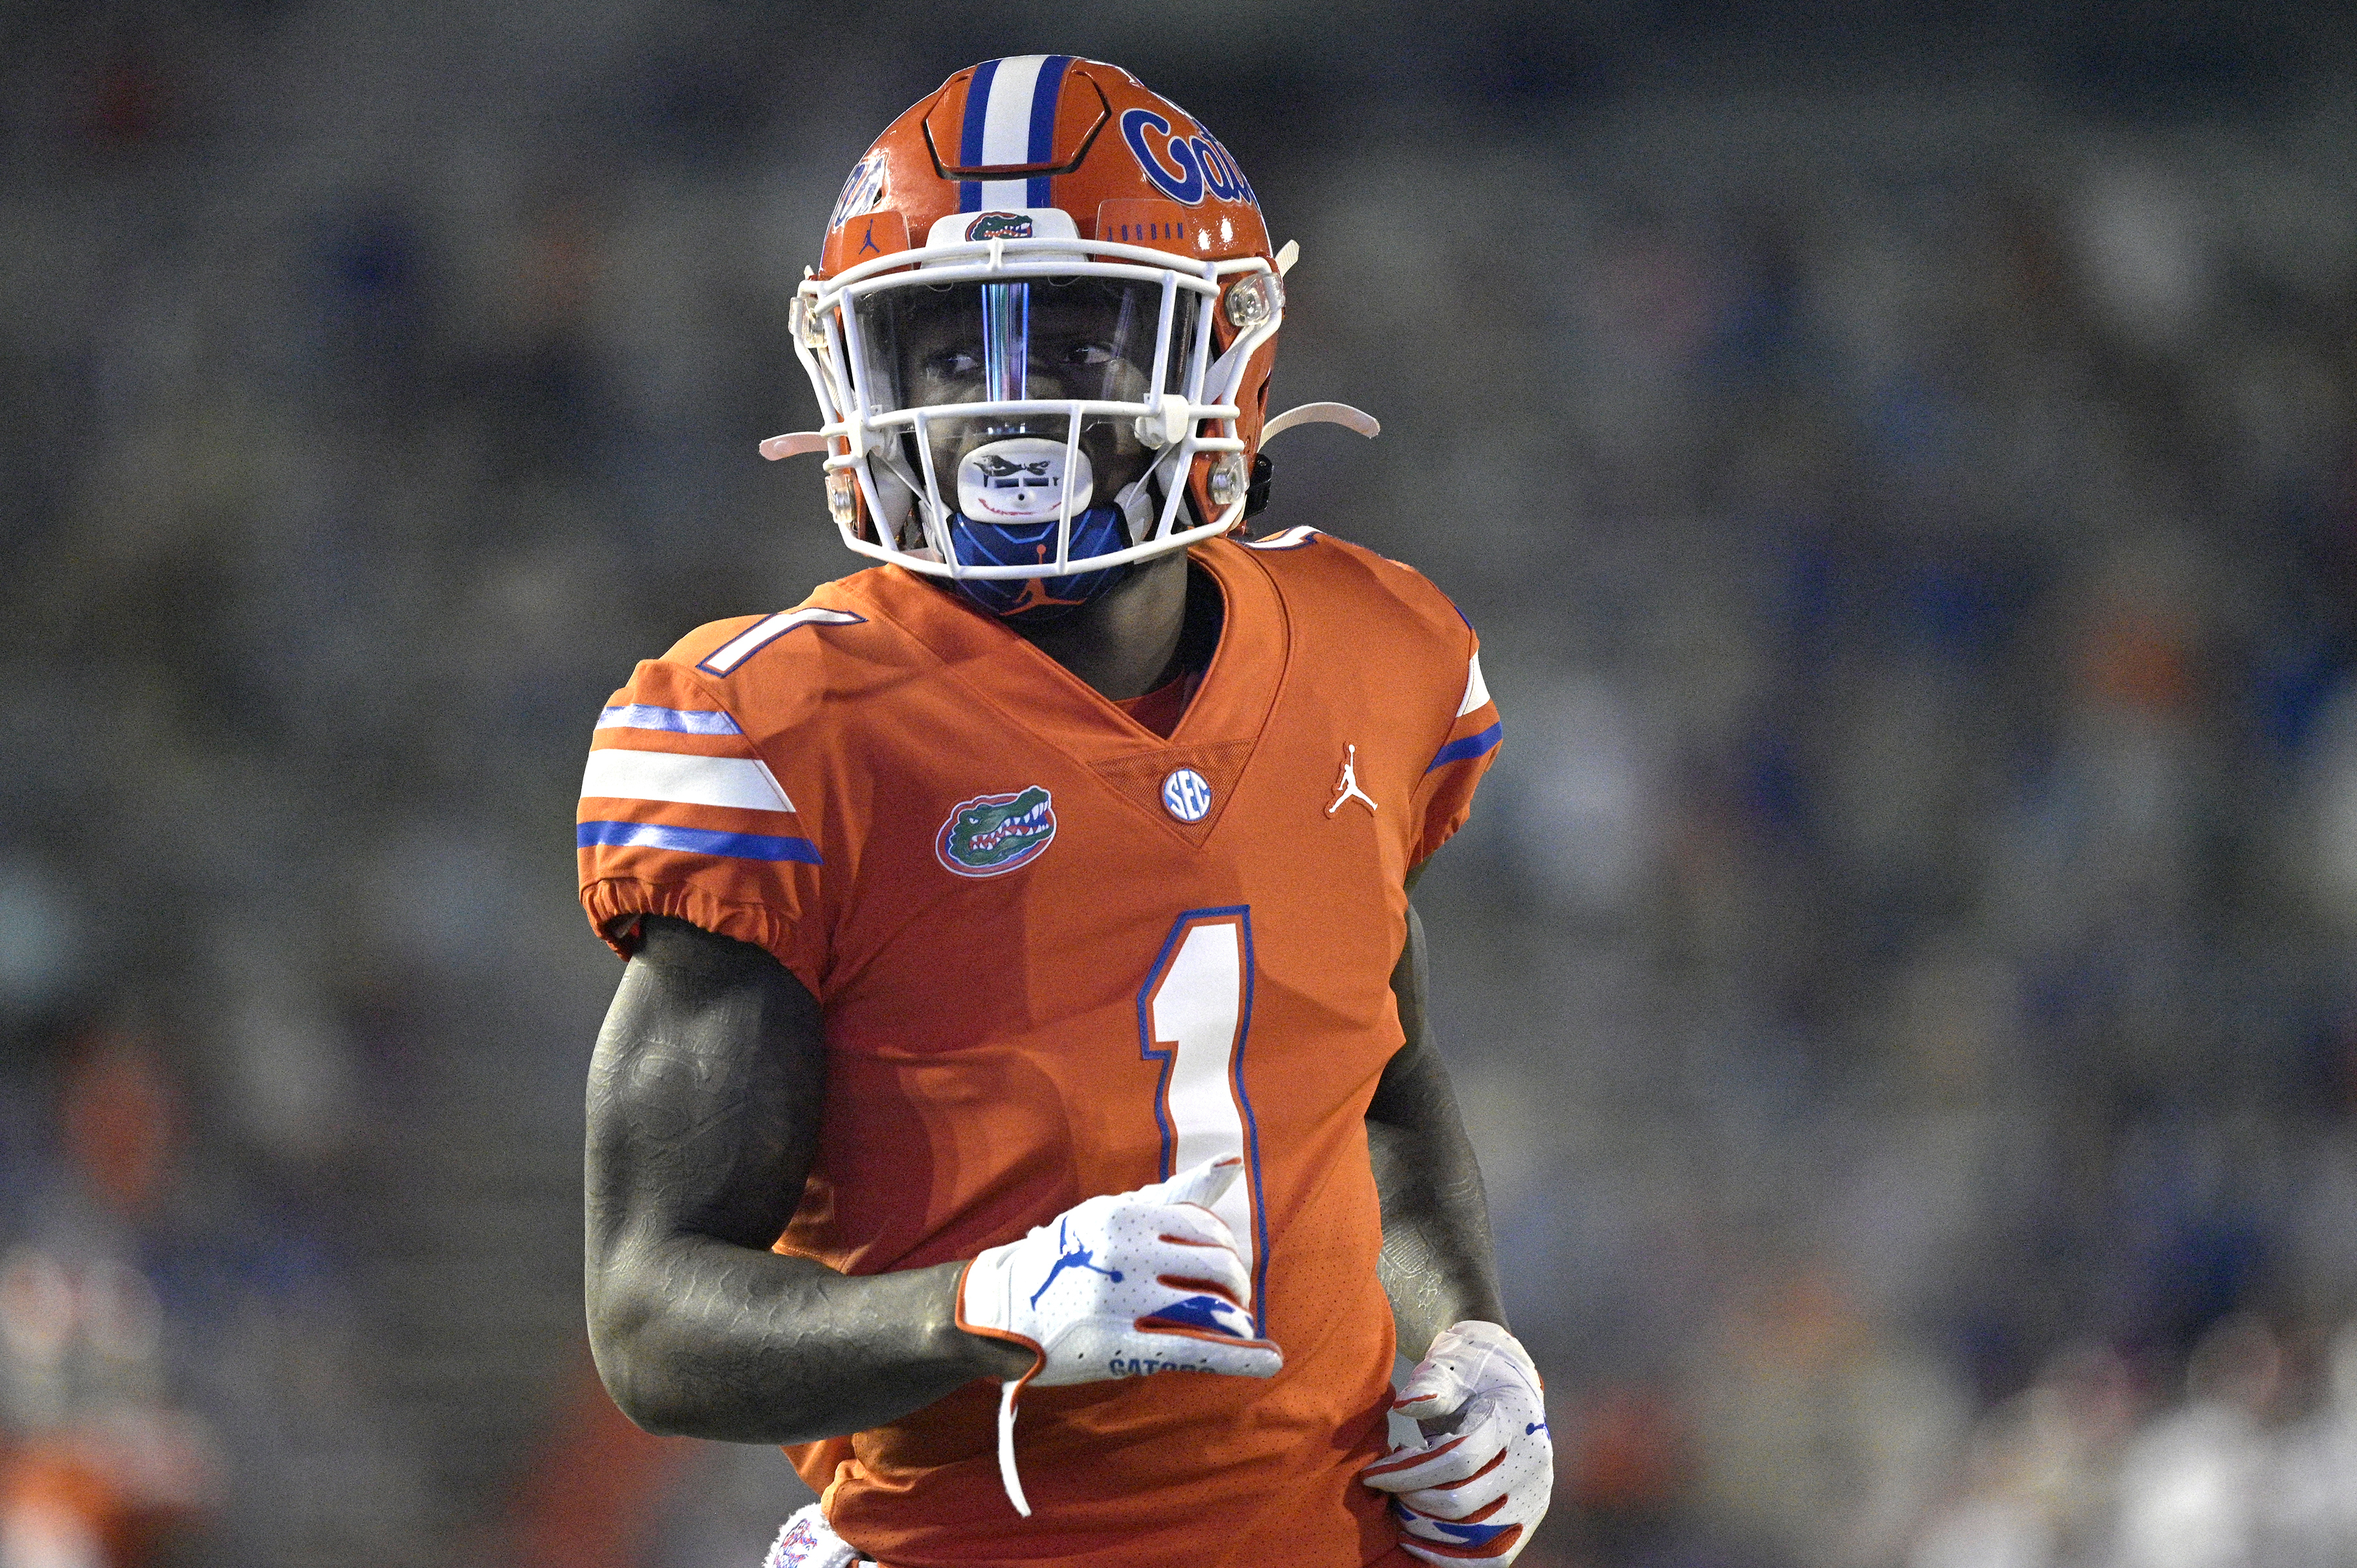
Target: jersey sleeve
x,y
1444,796
681,815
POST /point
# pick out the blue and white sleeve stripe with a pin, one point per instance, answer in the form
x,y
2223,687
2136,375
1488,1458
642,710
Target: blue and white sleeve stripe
x,y
678,720
745,784
695,840
1469,746
1476,691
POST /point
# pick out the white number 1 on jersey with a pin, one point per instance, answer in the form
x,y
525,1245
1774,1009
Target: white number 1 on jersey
x,y
1193,1015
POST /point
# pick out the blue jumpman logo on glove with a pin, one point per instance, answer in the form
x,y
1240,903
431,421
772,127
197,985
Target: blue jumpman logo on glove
x,y
1073,1258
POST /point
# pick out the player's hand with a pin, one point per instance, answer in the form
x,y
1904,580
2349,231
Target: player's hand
x,y
1474,1493
1118,1286
1133,1282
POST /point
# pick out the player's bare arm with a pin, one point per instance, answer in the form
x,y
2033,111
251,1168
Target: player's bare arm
x,y
1483,1474
1436,1264
704,1114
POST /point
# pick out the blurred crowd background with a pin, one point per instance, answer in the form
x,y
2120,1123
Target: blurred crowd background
x,y
1900,973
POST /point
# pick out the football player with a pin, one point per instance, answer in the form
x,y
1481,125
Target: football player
x,y
1017,1100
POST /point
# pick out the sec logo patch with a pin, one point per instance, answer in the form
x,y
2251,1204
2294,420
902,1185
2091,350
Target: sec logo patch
x,y
1187,795
991,835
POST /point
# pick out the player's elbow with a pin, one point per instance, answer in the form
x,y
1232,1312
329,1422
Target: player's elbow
x,y
637,1380
631,1389
625,1338
651,1409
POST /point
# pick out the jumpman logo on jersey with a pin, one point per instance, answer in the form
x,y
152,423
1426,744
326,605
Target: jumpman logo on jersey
x,y
1346,787
1073,1258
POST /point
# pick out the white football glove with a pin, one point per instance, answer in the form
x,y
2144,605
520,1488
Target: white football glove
x,y
1119,1287
809,1541
1472,1494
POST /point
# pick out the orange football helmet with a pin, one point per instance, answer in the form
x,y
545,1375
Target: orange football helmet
x,y
1041,335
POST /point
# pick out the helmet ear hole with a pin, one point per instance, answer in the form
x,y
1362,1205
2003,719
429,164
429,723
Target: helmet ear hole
x,y
1256,493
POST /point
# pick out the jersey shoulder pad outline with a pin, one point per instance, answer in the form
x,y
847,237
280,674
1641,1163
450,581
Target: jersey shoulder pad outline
x,y
1334,576
722,647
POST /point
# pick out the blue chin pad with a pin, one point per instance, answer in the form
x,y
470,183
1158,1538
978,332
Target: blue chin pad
x,y
1096,531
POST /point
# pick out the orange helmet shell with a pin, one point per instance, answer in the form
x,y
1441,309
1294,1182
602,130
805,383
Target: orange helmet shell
x,y
1092,135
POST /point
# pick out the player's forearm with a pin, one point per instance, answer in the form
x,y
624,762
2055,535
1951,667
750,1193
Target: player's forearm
x,y
1437,1266
699,1337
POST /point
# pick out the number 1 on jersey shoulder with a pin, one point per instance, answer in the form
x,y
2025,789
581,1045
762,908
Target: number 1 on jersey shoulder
x,y
1194,1015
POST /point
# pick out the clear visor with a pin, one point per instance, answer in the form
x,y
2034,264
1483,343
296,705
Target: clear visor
x,y
1054,339
1047,342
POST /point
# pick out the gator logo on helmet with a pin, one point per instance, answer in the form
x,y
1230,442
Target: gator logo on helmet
x,y
999,226
993,834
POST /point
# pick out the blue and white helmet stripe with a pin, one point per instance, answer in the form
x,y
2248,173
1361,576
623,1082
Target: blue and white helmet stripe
x,y
1010,118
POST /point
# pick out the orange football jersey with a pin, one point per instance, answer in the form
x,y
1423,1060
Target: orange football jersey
x,y
1061,955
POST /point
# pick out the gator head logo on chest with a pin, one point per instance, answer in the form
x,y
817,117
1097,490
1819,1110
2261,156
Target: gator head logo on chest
x,y
993,834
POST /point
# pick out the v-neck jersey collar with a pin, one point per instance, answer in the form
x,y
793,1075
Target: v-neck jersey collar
x,y
1238,690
